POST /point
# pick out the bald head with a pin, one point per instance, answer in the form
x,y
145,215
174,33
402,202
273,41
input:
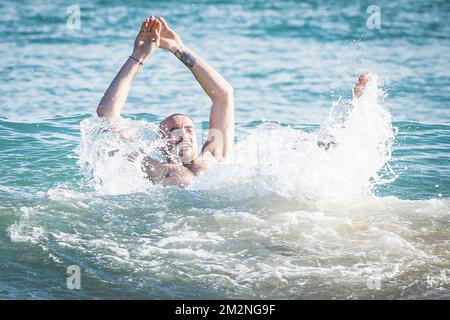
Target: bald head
x,y
176,120
181,139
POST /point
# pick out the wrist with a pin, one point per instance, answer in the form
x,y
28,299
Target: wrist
x,y
140,57
135,60
177,47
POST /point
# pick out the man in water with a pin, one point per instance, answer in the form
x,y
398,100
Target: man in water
x,y
184,161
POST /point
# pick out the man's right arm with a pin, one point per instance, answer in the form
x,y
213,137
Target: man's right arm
x,y
116,95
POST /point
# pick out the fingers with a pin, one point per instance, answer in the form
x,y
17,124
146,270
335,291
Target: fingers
x,y
158,27
153,26
361,84
363,77
150,22
164,23
144,25
362,80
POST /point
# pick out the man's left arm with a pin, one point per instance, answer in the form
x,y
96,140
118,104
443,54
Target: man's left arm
x,y
221,122
221,118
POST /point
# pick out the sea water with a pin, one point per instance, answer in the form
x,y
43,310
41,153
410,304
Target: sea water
x,y
368,217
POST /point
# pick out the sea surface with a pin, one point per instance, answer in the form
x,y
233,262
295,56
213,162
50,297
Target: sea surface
x,y
366,218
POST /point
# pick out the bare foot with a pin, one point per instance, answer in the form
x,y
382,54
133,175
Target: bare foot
x,y
361,85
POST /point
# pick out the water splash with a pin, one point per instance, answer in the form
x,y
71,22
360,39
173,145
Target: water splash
x,y
348,156
344,158
111,152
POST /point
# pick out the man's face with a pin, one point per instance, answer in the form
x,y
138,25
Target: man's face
x,y
181,138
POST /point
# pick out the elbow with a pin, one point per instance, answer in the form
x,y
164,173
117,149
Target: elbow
x,y
225,93
229,91
100,112
105,112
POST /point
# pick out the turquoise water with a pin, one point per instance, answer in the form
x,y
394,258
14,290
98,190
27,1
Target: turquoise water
x,y
286,219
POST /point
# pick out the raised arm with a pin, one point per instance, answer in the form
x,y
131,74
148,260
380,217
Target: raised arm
x,y
221,121
146,42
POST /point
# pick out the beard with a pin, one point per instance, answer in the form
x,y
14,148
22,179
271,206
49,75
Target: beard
x,y
186,153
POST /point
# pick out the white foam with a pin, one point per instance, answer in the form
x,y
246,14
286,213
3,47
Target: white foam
x,y
289,162
104,149
271,159
23,231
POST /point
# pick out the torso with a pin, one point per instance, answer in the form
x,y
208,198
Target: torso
x,y
176,174
202,163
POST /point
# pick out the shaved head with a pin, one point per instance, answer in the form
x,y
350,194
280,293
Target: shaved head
x,y
181,140
175,120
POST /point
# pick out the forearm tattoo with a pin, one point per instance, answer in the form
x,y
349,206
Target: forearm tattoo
x,y
185,57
